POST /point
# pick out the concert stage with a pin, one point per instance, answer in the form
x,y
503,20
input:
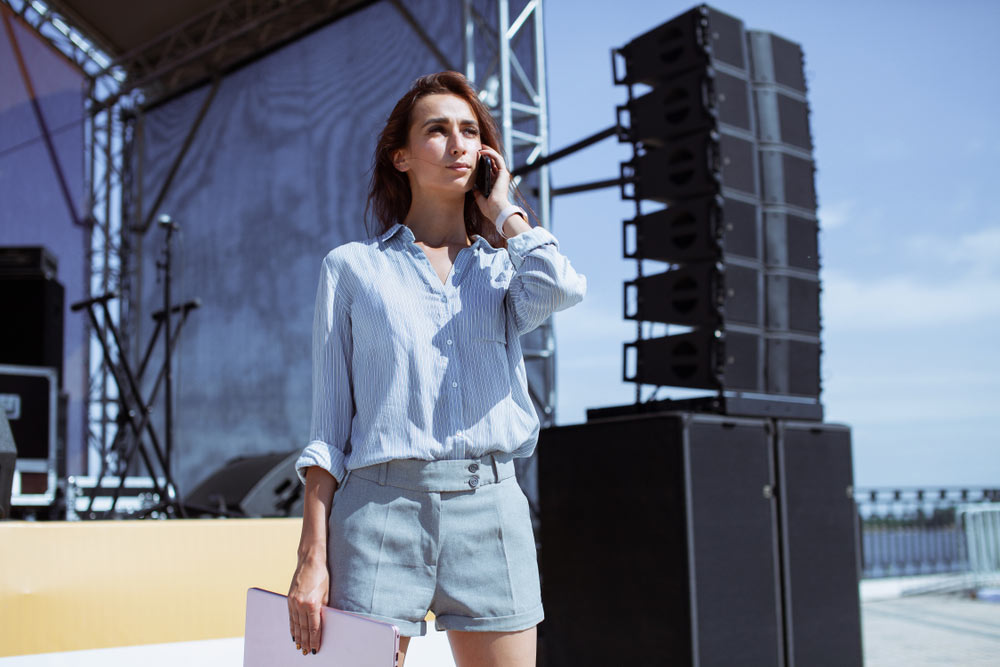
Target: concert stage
x,y
159,592
68,586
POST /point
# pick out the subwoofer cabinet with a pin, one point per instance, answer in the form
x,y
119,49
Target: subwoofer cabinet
x,y
820,544
662,543
658,542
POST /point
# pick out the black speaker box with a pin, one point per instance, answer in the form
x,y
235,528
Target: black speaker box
x,y
659,533
253,486
820,555
33,305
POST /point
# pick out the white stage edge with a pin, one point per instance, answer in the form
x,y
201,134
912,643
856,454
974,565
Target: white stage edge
x,y
431,650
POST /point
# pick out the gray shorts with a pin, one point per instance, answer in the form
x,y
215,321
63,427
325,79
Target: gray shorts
x,y
452,537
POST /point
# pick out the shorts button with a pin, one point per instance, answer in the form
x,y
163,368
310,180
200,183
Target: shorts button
x,y
473,467
474,481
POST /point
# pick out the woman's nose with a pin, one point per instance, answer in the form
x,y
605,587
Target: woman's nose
x,y
457,144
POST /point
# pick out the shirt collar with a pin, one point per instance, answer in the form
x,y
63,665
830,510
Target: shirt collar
x,y
392,231
399,227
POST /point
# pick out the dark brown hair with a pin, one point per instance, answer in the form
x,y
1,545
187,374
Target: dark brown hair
x,y
389,195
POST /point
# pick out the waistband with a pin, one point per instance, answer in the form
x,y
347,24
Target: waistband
x,y
444,475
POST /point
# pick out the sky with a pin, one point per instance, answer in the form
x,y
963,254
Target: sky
x,y
904,99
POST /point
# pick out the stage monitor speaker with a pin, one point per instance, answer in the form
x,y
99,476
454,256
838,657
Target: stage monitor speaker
x,y
252,486
658,542
8,458
819,528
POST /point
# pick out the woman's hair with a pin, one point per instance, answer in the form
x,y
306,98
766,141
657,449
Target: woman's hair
x,y
389,193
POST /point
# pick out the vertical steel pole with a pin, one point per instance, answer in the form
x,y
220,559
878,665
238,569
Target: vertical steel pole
x,y
469,34
506,123
542,101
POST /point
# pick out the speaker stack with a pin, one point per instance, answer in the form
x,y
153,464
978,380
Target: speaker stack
x,y
719,530
722,179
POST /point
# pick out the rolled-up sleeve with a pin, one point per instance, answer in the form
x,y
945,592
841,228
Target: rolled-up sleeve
x,y
544,281
332,393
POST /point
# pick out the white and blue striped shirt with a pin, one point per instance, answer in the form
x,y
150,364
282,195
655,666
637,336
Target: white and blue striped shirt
x,y
407,367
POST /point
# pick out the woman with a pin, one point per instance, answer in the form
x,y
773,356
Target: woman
x,y
420,398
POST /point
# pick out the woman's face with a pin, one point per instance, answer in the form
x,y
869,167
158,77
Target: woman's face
x,y
443,145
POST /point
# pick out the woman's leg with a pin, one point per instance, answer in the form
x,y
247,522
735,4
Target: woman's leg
x,y
404,643
494,649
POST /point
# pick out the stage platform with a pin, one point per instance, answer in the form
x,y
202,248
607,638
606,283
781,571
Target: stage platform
x,y
128,592
163,593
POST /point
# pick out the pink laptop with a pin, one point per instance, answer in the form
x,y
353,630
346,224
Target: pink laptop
x,y
348,639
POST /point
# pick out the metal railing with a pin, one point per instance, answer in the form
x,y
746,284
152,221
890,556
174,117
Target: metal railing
x,y
981,524
912,531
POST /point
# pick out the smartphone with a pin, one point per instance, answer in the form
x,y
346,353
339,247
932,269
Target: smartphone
x,y
484,175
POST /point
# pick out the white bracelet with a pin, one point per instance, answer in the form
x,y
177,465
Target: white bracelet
x,y
506,213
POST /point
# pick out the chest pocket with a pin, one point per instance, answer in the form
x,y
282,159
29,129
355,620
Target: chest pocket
x,y
483,313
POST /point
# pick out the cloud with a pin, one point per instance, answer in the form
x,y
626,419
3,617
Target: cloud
x,y
836,214
954,282
881,304
593,321
916,393
978,251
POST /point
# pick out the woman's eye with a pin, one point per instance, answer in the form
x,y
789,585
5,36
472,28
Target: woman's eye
x,y
471,131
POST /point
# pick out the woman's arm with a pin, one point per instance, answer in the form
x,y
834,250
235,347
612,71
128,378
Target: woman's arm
x,y
310,586
332,394
544,281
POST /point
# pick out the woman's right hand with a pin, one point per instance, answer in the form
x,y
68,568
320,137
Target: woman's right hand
x,y
308,593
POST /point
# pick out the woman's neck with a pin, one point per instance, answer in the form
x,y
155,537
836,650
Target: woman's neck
x,y
437,221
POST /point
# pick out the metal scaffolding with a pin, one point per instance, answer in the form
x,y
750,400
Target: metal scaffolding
x,y
105,134
202,49
496,84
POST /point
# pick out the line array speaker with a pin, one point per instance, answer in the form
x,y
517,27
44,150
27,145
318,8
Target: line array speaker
x,y
721,139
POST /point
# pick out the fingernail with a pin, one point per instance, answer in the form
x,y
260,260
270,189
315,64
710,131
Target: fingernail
x,y
298,646
314,651
305,651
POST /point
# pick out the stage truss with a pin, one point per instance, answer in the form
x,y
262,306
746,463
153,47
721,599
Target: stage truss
x,y
202,49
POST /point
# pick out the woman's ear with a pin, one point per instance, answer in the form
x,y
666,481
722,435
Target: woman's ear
x,y
399,161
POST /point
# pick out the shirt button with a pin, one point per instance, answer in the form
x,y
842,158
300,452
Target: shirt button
x,y
473,467
454,384
449,341
474,481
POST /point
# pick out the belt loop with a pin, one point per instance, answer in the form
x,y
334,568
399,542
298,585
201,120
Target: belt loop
x,y
383,473
496,471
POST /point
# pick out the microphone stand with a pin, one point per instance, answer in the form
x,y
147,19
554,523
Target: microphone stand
x,y
173,501
134,411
